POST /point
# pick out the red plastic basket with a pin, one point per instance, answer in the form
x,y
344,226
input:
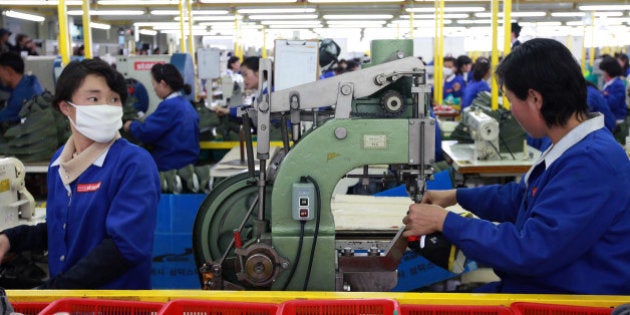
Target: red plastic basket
x,y
208,307
101,307
528,308
412,309
29,308
339,307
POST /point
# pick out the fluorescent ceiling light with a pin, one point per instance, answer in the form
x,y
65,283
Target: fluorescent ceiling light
x,y
137,2
275,11
568,14
283,17
37,2
100,26
607,14
477,21
356,16
24,16
222,24
538,24
231,27
604,7
277,22
355,23
447,9
295,26
194,32
148,32
247,1
407,23
432,16
108,12
210,18
349,1
156,24
575,23
194,12
168,27
513,14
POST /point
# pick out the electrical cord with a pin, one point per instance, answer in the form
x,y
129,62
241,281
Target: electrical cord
x,y
316,233
297,256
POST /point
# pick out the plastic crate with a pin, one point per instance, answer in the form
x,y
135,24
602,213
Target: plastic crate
x,y
101,307
29,308
339,307
207,307
409,309
528,308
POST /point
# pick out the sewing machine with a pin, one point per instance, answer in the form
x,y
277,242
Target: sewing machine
x,y
15,201
273,228
484,130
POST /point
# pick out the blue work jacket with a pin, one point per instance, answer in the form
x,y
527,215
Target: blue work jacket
x,y
564,228
115,198
472,90
25,90
173,132
615,95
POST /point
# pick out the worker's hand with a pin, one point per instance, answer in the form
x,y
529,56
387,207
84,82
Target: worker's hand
x,y
221,110
127,125
423,219
442,198
5,245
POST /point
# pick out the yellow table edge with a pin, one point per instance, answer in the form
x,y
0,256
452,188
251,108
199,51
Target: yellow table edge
x,y
214,145
281,296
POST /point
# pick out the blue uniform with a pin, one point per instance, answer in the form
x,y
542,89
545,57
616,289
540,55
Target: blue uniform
x,y
615,95
99,229
173,131
597,103
449,86
472,90
25,90
564,228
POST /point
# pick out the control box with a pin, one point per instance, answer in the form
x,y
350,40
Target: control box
x,y
303,200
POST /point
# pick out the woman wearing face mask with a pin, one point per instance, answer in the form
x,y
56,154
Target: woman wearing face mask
x,y
102,191
480,73
173,128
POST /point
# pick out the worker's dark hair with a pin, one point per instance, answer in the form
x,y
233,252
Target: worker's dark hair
x,y
252,63
232,61
624,59
480,68
170,75
548,67
19,38
75,72
516,29
12,60
611,66
461,62
451,59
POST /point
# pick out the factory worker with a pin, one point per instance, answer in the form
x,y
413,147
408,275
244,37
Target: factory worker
x,y
565,226
103,191
172,130
21,86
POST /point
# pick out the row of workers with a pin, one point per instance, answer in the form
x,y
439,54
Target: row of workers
x,y
563,228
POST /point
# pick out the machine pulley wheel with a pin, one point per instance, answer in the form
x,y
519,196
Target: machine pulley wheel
x,y
223,211
393,102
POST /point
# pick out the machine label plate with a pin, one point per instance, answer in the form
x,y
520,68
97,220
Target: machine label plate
x,y
375,142
145,65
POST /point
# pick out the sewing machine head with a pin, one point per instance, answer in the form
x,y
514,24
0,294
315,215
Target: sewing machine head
x,y
484,130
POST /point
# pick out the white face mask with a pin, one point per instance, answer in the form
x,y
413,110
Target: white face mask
x,y
98,122
447,72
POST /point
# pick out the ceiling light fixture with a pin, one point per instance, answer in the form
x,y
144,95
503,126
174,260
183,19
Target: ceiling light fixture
x,y
24,16
432,16
138,2
194,12
357,16
37,2
513,14
148,32
247,1
209,18
350,1
447,9
108,12
100,26
283,17
275,11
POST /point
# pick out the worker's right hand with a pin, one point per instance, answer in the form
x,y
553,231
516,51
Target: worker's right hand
x,y
442,198
5,245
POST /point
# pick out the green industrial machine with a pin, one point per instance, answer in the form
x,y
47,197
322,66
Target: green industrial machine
x,y
273,229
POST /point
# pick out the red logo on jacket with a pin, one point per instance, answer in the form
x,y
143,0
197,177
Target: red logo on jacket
x,y
88,187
